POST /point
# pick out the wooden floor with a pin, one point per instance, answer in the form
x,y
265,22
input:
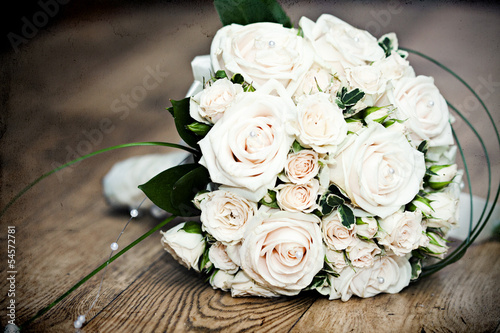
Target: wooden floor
x,y
65,93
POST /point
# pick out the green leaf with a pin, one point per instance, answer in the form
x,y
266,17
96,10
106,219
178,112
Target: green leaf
x,y
192,227
185,189
251,11
220,74
182,119
346,215
270,200
334,200
296,147
164,191
238,79
198,128
352,97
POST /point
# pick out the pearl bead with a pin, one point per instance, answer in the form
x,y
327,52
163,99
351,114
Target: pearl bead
x,y
134,213
430,104
272,43
77,324
299,254
253,134
380,280
356,39
81,318
391,171
462,185
114,246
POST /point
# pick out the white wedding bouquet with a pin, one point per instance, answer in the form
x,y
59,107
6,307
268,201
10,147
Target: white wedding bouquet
x,y
324,163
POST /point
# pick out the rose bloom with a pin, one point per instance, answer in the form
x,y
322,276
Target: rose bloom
x,y
221,280
367,78
389,274
298,198
336,258
225,214
317,79
443,212
283,250
243,285
338,45
210,104
379,170
320,123
218,256
335,234
185,247
394,67
402,232
362,254
367,227
419,101
302,166
248,146
260,52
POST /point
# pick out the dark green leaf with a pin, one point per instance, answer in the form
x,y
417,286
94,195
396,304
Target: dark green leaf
x,y
346,215
270,200
182,120
386,45
352,97
334,200
185,189
251,11
220,74
296,147
238,79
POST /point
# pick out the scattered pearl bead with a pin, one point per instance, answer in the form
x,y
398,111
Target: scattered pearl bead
x,y
391,171
77,324
272,43
380,280
253,134
356,39
134,213
81,318
462,185
430,104
114,246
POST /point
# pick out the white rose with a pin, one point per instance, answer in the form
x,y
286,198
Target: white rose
x,y
317,79
221,280
379,170
185,247
210,104
218,256
402,232
233,252
302,166
437,245
339,45
243,285
262,51
320,123
336,258
283,250
441,155
225,214
419,101
362,254
298,198
367,78
248,146
445,211
335,234
366,227
444,174
389,274
394,67
354,125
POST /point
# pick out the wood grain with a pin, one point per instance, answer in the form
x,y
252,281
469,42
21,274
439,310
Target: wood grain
x,y
62,84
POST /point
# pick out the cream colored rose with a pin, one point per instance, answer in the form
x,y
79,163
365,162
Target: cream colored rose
x,y
338,45
367,78
336,258
402,232
336,236
249,145
243,285
283,251
221,280
443,175
420,103
302,166
389,274
444,214
366,227
317,79
209,105
362,254
394,67
379,170
437,245
218,256
185,247
298,198
320,123
262,51
225,214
